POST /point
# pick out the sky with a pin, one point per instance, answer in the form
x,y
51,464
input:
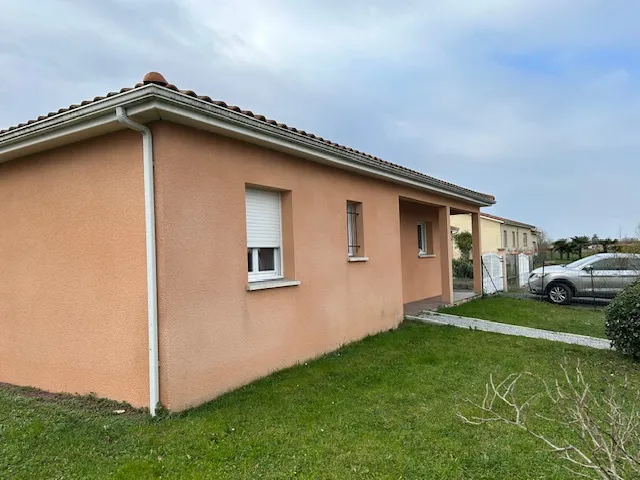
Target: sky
x,y
534,101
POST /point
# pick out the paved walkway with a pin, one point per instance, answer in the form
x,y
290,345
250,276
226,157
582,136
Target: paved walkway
x,y
437,318
433,303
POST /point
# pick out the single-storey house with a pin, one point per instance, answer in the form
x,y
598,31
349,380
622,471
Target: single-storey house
x,y
158,246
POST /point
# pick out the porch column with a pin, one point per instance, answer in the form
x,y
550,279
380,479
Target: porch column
x,y
446,253
477,252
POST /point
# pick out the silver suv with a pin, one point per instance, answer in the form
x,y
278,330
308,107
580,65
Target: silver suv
x,y
602,276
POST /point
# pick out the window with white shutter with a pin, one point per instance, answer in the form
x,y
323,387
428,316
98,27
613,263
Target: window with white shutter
x,y
264,234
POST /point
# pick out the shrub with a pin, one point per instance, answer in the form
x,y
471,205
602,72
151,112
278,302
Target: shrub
x,y
622,321
462,268
464,242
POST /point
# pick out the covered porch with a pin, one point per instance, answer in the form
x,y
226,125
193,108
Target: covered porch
x,y
427,253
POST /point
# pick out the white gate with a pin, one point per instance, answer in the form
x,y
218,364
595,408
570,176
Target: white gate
x,y
523,269
492,278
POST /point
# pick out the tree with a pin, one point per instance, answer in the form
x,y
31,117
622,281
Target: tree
x,y
464,242
578,243
606,243
543,240
543,247
561,246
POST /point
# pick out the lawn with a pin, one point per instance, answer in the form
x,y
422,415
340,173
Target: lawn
x,y
384,407
534,313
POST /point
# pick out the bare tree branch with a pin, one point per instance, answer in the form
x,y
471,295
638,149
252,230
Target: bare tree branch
x,y
603,426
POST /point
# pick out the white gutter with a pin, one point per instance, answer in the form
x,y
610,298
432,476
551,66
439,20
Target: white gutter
x,y
150,229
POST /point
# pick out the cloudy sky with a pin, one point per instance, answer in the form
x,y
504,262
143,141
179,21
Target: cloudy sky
x,y
534,101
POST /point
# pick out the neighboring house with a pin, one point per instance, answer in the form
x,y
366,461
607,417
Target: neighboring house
x,y
517,237
490,228
159,246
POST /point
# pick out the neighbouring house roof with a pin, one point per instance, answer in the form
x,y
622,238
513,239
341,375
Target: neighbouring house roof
x,y
489,217
508,221
154,86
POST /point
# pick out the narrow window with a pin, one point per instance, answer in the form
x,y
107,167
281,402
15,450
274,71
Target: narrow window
x,y
264,234
524,239
513,237
504,239
355,246
422,239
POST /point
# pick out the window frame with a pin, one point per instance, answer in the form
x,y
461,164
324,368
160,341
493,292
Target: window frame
x,y
423,246
255,275
355,227
524,239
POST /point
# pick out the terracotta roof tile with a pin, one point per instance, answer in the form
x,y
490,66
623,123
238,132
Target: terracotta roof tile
x,y
159,80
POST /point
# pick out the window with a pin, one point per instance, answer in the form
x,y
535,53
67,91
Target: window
x,y
524,239
617,263
422,239
504,239
264,234
612,263
355,247
513,238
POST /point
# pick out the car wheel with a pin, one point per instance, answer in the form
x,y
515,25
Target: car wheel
x,y
559,293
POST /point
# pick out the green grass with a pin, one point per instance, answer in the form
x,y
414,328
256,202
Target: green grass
x,y
534,313
384,407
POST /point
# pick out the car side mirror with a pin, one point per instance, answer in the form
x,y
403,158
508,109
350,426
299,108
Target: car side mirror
x,y
588,268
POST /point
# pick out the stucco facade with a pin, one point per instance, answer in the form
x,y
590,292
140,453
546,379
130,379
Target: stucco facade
x,y
79,313
518,238
72,289
491,232
204,305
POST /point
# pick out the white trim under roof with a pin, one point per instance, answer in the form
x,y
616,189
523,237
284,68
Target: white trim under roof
x,y
490,218
151,102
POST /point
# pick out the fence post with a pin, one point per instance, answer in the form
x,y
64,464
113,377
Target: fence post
x,y
503,259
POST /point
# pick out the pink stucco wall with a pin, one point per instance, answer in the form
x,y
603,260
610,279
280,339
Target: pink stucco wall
x,y
420,276
72,270
73,283
215,335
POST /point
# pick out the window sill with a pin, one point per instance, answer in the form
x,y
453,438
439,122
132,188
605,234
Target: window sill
x,y
266,284
358,259
426,255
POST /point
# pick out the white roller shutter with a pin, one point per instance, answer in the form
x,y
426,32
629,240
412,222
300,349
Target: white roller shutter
x,y
263,218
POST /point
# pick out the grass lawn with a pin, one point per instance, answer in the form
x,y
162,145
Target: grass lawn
x,y
533,313
381,408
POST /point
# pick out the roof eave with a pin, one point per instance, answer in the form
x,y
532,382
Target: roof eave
x,y
153,102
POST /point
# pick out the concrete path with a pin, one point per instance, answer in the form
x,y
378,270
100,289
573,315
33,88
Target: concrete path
x,y
437,318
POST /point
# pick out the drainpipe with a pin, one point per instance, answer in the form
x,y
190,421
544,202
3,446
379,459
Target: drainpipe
x,y
150,229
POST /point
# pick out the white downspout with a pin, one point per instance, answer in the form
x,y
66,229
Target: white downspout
x,y
150,228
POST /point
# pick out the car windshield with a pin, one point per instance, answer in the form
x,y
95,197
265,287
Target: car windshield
x,y
580,263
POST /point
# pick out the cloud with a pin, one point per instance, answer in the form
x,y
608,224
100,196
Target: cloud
x,y
535,101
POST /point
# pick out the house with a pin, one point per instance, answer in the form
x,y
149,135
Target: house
x,y
498,233
160,246
490,227
517,237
